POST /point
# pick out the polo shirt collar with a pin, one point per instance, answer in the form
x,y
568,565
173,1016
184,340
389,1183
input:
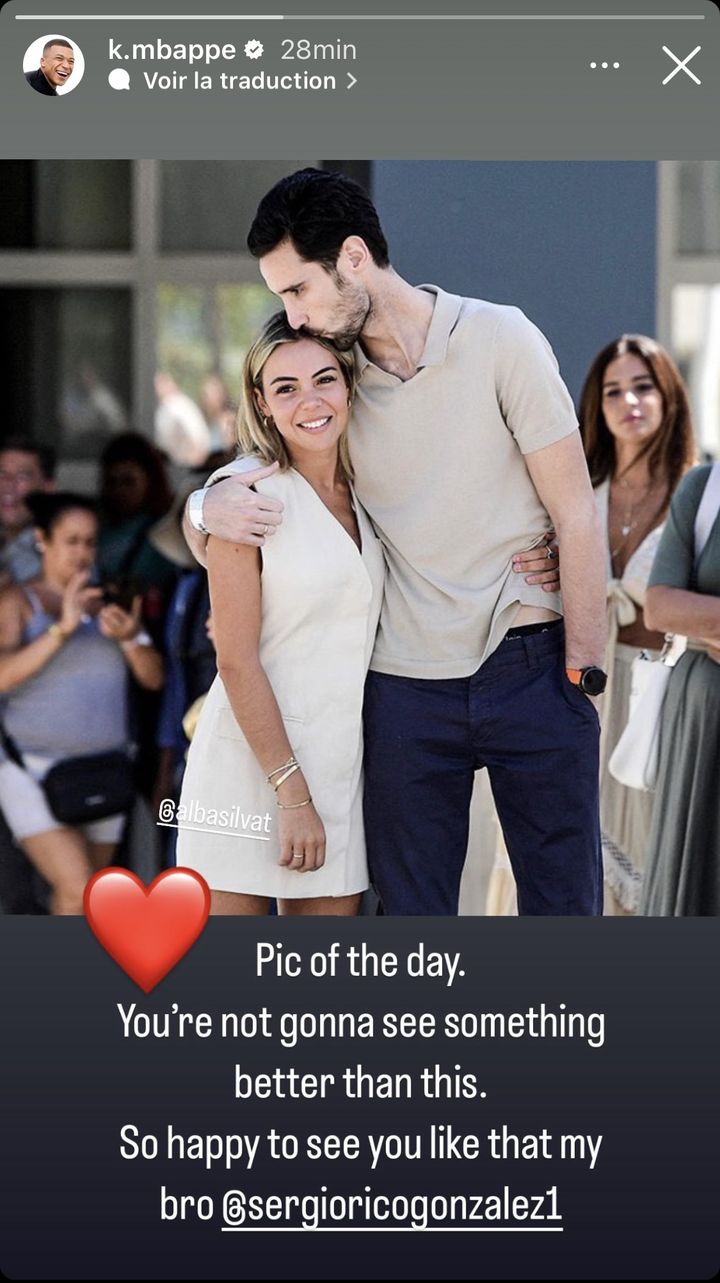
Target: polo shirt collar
x,y
443,320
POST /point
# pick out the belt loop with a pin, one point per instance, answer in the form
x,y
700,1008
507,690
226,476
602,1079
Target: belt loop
x,y
530,650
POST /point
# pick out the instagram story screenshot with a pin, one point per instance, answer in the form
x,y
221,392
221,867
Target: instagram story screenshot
x,y
360,562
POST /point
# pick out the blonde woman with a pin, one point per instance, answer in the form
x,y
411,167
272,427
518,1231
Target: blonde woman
x,y
271,805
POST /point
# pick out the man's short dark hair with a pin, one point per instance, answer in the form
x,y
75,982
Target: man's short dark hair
x,y
45,455
317,210
58,40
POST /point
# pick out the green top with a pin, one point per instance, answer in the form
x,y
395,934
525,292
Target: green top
x,y
673,566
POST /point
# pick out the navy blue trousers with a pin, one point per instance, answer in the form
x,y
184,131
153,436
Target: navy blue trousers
x,y
537,735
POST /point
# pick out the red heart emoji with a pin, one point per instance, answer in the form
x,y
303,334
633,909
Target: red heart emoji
x,y
147,930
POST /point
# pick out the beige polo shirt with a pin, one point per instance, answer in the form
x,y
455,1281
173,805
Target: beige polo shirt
x,y
439,467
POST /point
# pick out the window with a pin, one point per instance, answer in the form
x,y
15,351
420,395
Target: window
x,y
67,377
689,284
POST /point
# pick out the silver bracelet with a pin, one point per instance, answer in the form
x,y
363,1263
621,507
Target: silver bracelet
x,y
286,775
294,806
292,761
195,511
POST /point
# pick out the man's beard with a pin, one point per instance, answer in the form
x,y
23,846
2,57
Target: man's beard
x,y
353,323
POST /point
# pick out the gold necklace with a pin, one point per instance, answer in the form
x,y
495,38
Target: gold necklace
x,y
629,521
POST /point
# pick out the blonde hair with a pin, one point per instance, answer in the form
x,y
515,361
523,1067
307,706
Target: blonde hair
x,y
257,435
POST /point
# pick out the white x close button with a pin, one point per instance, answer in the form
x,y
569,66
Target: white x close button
x,y
682,65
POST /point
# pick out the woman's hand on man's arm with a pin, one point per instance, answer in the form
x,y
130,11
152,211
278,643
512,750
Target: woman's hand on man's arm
x,y
540,565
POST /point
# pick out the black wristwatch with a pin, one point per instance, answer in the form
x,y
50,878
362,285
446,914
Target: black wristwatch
x,y
591,680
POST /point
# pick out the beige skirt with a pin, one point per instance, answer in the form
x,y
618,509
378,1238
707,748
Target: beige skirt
x,y
625,814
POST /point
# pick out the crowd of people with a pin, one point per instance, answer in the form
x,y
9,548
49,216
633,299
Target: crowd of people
x,y
329,556
103,644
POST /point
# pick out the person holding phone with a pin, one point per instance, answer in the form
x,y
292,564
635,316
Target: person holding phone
x,y
64,664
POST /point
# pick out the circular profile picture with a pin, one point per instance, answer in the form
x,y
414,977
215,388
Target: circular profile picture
x,y
53,65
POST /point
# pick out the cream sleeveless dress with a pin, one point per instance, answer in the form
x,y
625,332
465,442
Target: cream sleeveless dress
x,y
625,813
321,601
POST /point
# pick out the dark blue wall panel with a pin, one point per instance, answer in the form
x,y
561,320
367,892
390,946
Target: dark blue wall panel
x,y
571,243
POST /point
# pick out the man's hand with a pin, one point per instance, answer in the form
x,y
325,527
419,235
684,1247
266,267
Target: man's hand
x,y
232,511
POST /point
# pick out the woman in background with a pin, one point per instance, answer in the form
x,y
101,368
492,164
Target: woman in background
x,y
682,875
637,432
64,664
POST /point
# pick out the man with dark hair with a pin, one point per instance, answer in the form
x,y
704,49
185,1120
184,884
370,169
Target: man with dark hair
x,y
465,447
24,466
317,209
56,67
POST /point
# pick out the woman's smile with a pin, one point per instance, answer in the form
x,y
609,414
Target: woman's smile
x,y
315,425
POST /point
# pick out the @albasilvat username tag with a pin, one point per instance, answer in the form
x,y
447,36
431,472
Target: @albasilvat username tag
x,y
231,820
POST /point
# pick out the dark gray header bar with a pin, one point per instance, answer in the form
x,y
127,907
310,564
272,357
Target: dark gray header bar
x,y
476,85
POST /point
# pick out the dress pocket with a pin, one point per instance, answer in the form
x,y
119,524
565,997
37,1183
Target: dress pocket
x,y
226,726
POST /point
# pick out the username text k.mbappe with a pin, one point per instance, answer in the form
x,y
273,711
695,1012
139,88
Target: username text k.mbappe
x,y
205,66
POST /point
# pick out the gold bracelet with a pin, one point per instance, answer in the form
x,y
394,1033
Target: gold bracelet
x,y
291,762
56,631
294,806
286,776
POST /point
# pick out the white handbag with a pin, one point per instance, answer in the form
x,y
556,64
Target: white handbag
x,y
634,760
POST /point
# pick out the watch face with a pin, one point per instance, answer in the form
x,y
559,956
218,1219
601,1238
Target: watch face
x,y
593,681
